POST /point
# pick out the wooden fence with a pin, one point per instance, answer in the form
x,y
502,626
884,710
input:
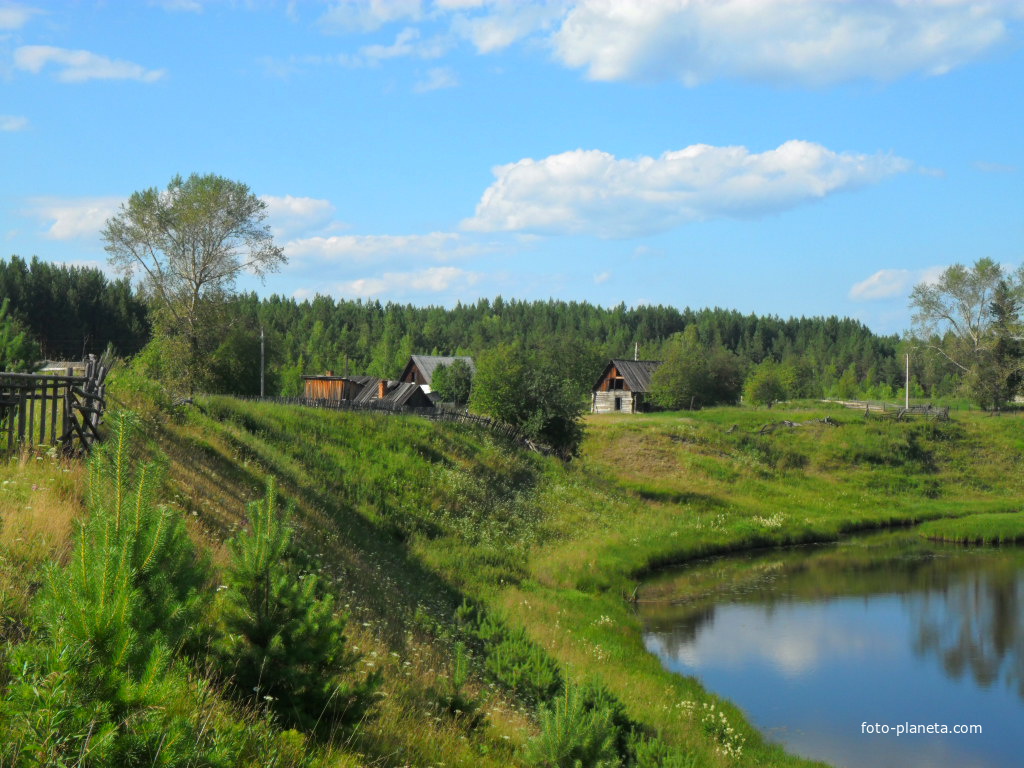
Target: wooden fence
x,y
53,409
440,413
899,412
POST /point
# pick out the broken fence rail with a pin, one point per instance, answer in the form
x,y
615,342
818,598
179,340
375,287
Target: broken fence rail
x,y
440,413
53,409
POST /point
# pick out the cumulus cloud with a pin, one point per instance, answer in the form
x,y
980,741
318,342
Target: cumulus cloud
x,y
430,280
290,215
15,16
439,246
593,192
779,41
80,66
13,123
785,42
73,218
892,283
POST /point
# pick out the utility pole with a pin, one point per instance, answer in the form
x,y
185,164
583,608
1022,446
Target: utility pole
x,y
907,390
263,359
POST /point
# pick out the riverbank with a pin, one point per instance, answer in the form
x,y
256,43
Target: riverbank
x,y
407,519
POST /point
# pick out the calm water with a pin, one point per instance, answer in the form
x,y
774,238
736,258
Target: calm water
x,y
812,642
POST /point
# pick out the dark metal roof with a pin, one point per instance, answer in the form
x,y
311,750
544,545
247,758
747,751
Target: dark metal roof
x,y
427,364
397,393
637,373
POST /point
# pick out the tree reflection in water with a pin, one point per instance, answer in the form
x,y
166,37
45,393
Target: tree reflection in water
x,y
965,604
975,625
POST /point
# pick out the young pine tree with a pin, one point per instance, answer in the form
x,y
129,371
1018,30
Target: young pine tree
x,y
280,643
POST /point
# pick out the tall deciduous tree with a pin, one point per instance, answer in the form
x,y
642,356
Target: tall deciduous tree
x,y
189,243
535,391
454,382
682,380
971,316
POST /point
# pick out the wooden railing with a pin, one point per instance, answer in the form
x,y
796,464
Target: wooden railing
x,y
439,413
62,410
899,412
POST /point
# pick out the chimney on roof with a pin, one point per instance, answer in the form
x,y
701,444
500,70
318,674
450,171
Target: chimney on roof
x,y
329,373
382,388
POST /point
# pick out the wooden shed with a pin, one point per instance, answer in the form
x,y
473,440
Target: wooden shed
x,y
623,386
420,368
331,387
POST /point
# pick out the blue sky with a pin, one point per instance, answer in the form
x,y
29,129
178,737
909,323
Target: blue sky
x,y
788,157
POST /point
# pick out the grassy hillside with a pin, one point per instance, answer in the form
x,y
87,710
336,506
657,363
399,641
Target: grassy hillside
x,y
408,520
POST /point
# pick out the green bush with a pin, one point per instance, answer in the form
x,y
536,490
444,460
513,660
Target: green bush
x,y
279,642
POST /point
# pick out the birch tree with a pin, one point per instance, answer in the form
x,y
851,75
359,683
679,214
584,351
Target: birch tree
x,y
188,244
971,317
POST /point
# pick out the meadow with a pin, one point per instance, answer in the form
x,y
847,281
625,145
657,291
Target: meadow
x,y
489,584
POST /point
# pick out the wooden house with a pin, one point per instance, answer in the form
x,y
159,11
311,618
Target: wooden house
x,y
420,368
624,386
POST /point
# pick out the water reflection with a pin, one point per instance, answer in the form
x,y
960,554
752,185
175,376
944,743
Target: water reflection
x,y
812,641
975,626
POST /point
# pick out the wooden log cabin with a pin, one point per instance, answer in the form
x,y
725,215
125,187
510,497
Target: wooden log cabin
x,y
624,386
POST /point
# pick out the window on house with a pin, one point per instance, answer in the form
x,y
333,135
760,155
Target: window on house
x,y
618,403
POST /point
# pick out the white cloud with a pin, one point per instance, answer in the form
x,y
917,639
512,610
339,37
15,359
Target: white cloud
x,y
593,192
13,123
780,41
407,43
290,215
507,22
15,16
891,283
360,15
439,246
436,79
602,277
430,280
80,66
73,218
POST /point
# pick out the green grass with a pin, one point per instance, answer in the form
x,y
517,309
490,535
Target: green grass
x,y
1005,528
405,518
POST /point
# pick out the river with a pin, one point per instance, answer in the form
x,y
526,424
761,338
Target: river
x,y
826,648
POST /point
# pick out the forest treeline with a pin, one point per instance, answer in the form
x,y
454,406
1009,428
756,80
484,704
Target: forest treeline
x,y
370,337
71,310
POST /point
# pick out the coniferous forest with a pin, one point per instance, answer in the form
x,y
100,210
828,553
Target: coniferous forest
x,y
71,310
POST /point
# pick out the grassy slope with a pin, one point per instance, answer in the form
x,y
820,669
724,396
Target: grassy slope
x,y
410,516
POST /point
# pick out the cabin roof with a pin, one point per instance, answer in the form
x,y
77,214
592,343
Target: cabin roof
x,y
427,364
637,373
398,393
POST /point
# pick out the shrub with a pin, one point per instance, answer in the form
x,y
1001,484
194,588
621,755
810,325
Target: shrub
x,y
280,643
